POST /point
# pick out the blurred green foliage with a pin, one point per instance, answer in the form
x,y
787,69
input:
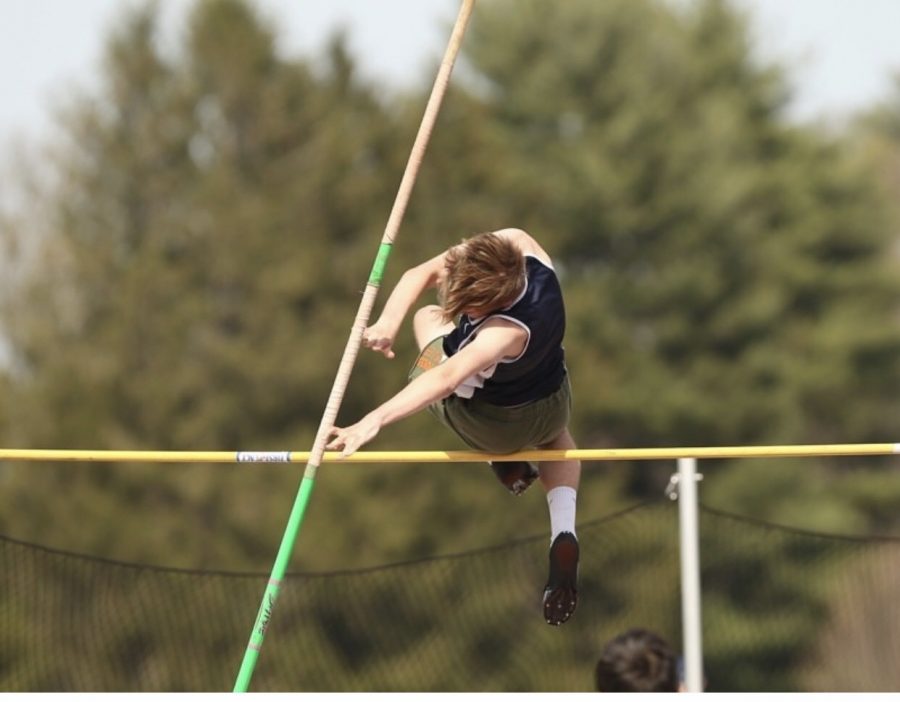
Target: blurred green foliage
x,y
188,277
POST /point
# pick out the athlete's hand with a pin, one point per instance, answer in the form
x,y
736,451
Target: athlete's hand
x,y
348,440
380,337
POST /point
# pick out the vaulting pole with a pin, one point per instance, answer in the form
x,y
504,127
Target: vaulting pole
x,y
295,519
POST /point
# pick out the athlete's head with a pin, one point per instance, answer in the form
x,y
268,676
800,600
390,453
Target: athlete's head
x,y
484,273
637,661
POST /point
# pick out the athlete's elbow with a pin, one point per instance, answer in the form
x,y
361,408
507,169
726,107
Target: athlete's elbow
x,y
422,276
445,383
447,389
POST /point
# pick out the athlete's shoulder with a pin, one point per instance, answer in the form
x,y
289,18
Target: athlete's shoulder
x,y
526,243
515,235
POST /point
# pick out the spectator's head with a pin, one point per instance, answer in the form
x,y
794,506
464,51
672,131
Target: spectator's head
x,y
637,661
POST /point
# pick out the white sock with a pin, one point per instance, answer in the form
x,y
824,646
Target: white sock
x,y
561,501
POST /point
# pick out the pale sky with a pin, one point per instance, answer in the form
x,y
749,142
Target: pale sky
x,y
842,52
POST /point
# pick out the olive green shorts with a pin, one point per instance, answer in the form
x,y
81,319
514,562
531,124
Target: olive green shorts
x,y
493,428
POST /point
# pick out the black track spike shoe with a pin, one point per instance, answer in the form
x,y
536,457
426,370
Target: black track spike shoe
x,y
561,593
516,476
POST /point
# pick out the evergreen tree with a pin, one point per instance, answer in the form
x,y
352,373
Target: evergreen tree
x,y
207,235
725,271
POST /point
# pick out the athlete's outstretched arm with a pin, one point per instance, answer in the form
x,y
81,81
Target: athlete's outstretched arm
x,y
380,336
490,346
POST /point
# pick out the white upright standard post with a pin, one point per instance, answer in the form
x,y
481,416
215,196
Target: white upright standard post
x,y
690,574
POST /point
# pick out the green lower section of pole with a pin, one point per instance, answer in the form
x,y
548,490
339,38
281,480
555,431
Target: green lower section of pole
x,y
380,262
264,616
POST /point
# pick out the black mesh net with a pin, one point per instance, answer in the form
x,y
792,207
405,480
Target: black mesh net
x,y
782,610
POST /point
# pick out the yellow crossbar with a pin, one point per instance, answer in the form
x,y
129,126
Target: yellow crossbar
x,y
608,454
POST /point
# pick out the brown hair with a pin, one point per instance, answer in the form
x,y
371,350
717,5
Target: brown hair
x,y
484,273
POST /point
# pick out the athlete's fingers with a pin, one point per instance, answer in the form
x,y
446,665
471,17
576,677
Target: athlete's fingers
x,y
338,439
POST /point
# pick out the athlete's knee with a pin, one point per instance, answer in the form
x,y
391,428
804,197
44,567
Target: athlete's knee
x,y
429,314
428,324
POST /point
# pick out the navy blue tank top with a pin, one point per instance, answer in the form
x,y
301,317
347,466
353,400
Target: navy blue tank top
x,y
539,370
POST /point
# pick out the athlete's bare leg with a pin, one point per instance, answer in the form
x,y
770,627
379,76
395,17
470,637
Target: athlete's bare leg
x,y
557,473
428,325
